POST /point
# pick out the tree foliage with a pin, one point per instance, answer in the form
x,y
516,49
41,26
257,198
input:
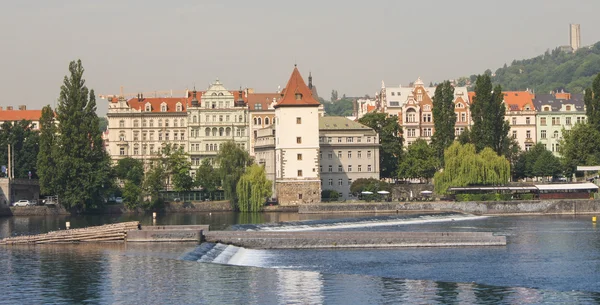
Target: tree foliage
x,y
444,117
24,143
390,138
45,158
537,162
419,161
553,70
253,189
370,185
154,182
579,147
342,107
490,129
207,178
463,166
82,166
592,103
131,172
232,161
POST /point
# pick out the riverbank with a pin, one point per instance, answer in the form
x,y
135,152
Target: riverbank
x,y
533,207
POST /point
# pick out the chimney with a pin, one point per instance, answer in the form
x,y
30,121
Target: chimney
x,y
22,107
0,108
9,108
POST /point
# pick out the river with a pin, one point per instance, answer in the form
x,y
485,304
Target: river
x,y
548,260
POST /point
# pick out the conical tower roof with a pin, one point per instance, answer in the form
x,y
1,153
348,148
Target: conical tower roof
x,y
297,93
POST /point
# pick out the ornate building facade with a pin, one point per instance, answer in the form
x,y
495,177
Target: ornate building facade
x,y
554,112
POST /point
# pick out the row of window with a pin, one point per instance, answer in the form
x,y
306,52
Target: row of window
x,y
259,121
556,120
341,168
212,147
163,107
348,139
144,150
219,118
339,154
177,135
339,183
150,123
425,132
411,117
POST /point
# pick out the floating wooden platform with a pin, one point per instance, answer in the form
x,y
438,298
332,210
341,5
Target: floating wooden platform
x,y
105,233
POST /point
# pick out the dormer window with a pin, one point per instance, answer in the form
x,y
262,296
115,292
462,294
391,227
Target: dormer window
x,y
148,107
427,108
298,96
568,108
178,107
546,108
163,107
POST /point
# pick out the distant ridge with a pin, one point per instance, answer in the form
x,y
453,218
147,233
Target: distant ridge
x,y
554,70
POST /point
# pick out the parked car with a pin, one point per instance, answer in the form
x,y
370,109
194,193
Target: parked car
x,y
23,203
119,200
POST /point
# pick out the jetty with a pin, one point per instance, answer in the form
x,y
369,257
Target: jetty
x,y
134,232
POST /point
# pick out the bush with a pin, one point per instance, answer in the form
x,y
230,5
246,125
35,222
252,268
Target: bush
x,y
330,195
526,196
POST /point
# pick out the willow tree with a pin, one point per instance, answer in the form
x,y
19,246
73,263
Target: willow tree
x,y
464,167
253,188
232,161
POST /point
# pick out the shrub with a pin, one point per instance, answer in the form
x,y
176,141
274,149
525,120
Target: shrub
x,y
526,196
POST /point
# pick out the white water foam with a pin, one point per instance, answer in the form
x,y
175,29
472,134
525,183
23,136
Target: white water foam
x,y
374,223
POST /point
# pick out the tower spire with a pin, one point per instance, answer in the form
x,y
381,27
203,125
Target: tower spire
x,y
310,85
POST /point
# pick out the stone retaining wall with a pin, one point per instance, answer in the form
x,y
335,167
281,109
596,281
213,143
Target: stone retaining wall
x,y
582,206
33,211
201,206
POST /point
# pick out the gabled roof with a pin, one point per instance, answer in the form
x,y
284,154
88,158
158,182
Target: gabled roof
x,y
18,115
340,123
518,100
263,99
296,85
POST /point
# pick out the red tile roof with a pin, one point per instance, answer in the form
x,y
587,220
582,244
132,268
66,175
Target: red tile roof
x,y
156,102
296,85
371,108
517,100
264,99
18,115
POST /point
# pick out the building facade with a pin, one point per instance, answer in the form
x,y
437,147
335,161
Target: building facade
x,y
348,151
216,116
414,107
21,113
262,114
521,116
554,112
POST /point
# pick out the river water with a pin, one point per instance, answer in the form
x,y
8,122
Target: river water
x,y
548,260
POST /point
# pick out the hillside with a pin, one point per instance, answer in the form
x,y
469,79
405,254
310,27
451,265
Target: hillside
x,y
554,70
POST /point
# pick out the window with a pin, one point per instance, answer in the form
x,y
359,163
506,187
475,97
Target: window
x,y
321,168
330,182
122,151
299,173
369,154
555,121
167,123
568,121
299,157
151,123
163,108
166,136
349,139
340,168
528,134
174,123
136,136
463,117
159,122
358,139
121,124
195,119
359,154
543,134
360,168
136,150
221,118
299,140
266,121
122,136
369,168
528,147
328,139
514,121
411,133
299,196
349,154
339,139
555,135
527,120
144,136
349,181
568,108
543,121
175,136
330,155
427,117
350,168
339,154
331,168
514,134
410,116
298,120
426,132
136,123
368,139
340,182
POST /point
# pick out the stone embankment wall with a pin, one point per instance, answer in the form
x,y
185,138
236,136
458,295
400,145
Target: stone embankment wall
x,y
479,208
193,207
33,211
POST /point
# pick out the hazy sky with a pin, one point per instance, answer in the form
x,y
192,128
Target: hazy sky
x,y
348,45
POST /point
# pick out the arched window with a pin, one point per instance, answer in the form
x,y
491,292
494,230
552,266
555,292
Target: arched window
x,y
255,121
228,132
221,132
136,123
151,123
144,123
207,147
556,133
214,132
220,93
220,146
179,108
195,119
259,121
167,123
182,123
159,122
266,121
207,132
122,136
240,119
411,115
175,123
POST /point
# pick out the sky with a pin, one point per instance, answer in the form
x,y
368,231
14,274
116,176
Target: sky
x,y
349,46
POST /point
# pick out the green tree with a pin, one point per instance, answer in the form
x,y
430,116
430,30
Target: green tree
x,y
103,125
390,138
153,184
253,189
490,129
131,172
463,166
24,143
334,96
579,147
592,103
342,107
82,166
444,117
232,161
45,159
207,178
419,161
547,165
